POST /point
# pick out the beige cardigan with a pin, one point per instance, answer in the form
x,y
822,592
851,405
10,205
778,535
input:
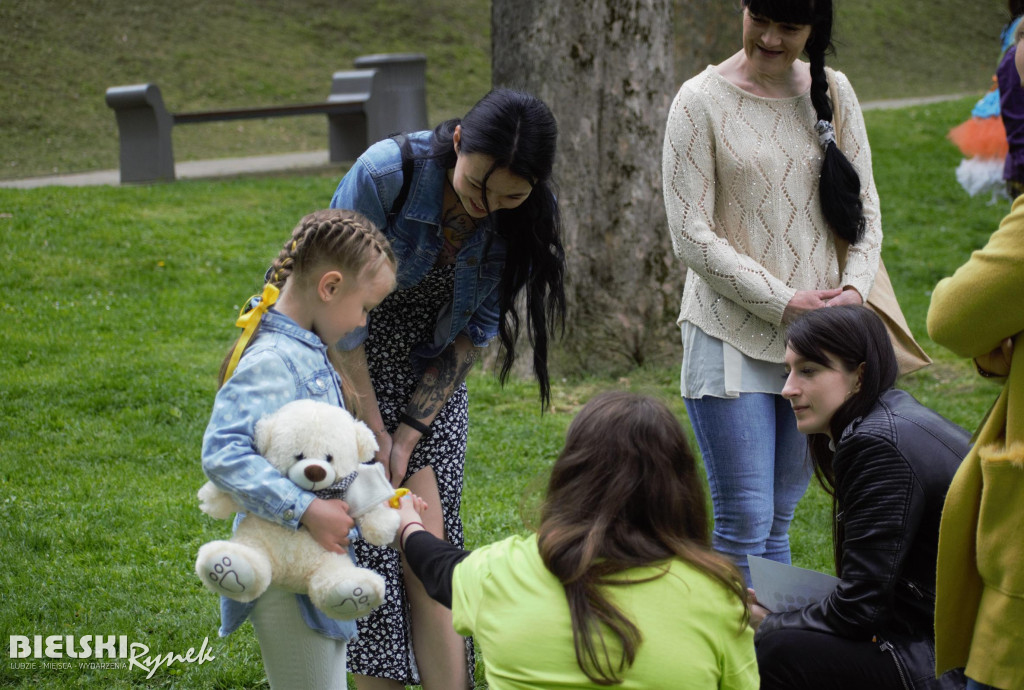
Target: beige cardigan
x,y
740,176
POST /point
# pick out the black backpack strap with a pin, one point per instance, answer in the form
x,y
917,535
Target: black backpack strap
x,y
407,170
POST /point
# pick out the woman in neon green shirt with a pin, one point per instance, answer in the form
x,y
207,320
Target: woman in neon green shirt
x,y
618,586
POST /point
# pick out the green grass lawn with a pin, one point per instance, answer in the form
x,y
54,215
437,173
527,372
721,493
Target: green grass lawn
x,y
118,305
58,57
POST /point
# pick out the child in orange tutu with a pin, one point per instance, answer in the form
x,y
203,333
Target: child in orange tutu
x,y
982,139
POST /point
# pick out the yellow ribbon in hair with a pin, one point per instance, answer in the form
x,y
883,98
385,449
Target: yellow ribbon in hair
x,y
248,322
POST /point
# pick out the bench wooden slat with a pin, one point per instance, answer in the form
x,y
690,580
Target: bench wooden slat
x,y
330,108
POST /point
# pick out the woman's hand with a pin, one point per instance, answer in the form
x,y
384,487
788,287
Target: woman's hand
x,y
757,611
849,295
398,460
442,376
328,523
997,362
808,300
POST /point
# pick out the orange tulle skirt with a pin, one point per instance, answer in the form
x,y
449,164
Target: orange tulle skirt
x,y
982,137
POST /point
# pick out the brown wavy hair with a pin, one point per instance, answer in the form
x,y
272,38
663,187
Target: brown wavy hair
x,y
342,239
624,493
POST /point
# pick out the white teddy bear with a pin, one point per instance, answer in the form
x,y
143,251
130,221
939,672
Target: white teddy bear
x,y
321,448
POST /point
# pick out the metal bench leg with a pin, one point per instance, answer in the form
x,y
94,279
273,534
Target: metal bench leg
x,y
346,135
399,99
144,127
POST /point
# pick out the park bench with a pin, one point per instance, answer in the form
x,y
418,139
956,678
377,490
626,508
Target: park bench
x,y
385,94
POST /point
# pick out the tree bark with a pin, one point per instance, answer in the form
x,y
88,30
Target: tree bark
x,y
605,67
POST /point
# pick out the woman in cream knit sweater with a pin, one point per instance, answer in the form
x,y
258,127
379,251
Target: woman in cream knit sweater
x,y
759,198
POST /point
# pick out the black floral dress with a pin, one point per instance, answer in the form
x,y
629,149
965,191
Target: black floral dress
x,y
403,320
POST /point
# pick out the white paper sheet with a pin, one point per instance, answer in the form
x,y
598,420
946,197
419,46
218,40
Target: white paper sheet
x,y
780,587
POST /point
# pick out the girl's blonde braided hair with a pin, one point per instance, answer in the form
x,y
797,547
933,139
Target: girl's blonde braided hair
x,y
341,238
345,239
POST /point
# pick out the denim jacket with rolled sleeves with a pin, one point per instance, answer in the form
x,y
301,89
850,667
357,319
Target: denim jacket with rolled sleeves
x,y
416,236
284,362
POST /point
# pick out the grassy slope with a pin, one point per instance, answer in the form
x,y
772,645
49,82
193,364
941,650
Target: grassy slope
x,y
916,47
58,57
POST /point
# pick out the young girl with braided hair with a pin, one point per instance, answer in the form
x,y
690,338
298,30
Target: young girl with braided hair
x,y
767,183
334,268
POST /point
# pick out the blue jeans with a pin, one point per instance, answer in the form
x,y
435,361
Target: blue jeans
x,y
758,468
975,685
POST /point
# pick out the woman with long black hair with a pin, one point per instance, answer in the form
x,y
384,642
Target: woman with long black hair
x,y
470,212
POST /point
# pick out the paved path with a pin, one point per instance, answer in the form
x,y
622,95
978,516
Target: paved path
x,y
908,102
227,167
220,167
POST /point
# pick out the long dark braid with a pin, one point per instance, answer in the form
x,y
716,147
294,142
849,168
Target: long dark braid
x,y
839,187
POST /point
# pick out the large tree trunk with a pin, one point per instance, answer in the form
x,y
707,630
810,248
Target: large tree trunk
x,y
605,67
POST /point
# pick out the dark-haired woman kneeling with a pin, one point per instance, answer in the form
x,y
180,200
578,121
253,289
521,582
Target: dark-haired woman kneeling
x,y
887,461
618,586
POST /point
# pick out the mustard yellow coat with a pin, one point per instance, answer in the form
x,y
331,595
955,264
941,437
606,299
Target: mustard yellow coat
x,y
979,608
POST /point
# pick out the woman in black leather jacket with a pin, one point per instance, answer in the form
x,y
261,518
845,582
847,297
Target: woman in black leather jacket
x,y
887,461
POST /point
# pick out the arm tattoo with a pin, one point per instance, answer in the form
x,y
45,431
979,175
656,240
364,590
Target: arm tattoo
x,y
443,375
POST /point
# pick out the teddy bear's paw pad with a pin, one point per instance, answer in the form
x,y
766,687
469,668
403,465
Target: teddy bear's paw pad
x,y
229,575
353,602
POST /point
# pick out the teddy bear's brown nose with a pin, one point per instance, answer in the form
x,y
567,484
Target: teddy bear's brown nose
x,y
315,473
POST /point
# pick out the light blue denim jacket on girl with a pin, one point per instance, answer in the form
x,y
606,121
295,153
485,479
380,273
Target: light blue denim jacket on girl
x,y
371,186
284,362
